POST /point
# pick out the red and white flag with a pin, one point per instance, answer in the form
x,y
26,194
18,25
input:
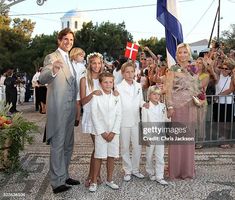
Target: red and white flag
x,y
131,50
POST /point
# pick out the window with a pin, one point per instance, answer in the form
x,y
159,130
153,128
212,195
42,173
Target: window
x,y
67,24
76,25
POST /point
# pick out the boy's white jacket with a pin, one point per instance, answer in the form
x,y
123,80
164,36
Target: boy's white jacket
x,y
106,113
155,113
130,104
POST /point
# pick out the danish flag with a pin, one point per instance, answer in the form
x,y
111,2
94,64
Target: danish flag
x,y
131,50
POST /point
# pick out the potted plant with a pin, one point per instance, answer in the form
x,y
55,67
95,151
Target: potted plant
x,y
14,132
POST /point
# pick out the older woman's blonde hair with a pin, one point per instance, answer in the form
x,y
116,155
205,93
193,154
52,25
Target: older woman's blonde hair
x,y
75,52
181,45
230,63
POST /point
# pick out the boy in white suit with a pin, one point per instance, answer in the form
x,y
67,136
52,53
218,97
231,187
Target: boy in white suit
x,y
155,113
106,118
132,99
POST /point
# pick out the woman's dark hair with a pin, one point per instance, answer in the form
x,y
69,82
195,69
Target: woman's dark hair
x,y
120,62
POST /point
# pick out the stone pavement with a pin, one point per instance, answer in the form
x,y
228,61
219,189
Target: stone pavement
x,y
215,174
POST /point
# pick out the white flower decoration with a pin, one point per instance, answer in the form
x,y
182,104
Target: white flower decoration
x,y
94,54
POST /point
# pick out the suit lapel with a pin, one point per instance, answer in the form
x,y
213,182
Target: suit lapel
x,y
65,69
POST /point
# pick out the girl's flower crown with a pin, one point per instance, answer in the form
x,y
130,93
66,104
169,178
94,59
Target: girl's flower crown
x,y
94,54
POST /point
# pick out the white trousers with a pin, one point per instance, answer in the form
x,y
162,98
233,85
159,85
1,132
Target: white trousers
x,y
159,160
130,136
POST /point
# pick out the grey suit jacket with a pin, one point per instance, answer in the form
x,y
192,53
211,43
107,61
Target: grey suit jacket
x,y
62,89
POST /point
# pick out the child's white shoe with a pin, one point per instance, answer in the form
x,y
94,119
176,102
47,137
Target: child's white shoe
x,y
138,175
152,177
127,177
93,187
112,185
162,181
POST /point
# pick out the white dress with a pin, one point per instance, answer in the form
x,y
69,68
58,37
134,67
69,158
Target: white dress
x,y
87,125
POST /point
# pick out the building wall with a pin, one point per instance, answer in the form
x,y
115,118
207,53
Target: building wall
x,y
72,21
197,49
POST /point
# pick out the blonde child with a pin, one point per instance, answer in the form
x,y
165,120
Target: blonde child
x,y
77,59
155,113
106,117
89,86
132,99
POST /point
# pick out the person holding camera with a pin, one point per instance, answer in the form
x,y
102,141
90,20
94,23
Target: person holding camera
x,y
224,104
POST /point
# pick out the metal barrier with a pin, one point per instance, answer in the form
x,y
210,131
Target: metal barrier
x,y
217,125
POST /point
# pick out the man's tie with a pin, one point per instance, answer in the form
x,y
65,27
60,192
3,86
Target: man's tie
x,y
70,65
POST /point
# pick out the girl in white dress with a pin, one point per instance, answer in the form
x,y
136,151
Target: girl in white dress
x,y
89,86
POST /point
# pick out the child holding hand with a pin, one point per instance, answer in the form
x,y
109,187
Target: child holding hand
x,y
156,113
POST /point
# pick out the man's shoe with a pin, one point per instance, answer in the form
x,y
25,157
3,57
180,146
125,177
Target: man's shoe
x,y
61,188
138,175
71,181
127,177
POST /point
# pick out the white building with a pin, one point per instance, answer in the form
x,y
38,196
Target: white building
x,y
74,20
197,47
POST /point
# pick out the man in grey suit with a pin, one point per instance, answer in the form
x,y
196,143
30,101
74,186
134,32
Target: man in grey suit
x,y
60,76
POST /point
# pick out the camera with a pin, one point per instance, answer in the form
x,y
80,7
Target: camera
x,y
146,72
217,45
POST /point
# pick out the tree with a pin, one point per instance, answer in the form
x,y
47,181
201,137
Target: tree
x,y
106,38
115,37
85,38
156,46
15,36
4,9
40,46
228,37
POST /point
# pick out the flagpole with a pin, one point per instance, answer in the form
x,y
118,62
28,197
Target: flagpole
x,y
209,43
218,31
